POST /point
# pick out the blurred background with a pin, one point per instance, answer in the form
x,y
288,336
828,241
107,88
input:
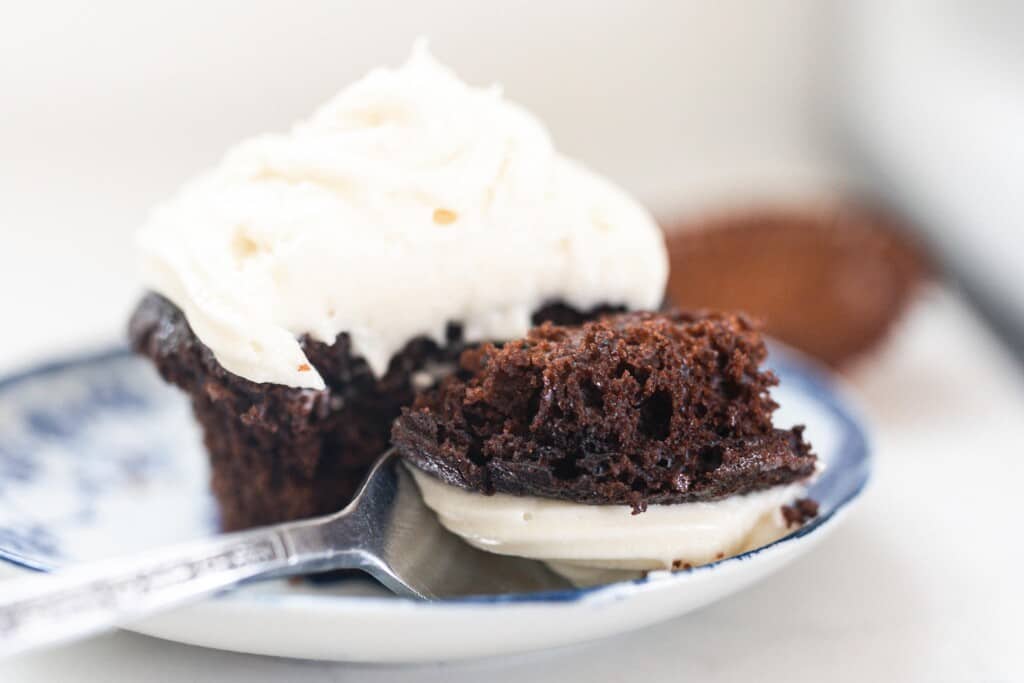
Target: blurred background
x,y
849,171
106,107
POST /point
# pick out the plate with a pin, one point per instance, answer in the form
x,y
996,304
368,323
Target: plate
x,y
99,458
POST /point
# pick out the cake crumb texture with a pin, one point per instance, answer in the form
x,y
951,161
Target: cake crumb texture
x,y
633,409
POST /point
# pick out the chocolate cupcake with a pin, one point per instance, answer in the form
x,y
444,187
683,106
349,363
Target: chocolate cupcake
x,y
636,442
306,287
830,280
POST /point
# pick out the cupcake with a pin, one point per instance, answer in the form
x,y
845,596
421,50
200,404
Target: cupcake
x,y
633,443
305,288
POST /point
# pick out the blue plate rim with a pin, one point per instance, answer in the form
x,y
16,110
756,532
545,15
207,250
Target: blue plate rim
x,y
817,380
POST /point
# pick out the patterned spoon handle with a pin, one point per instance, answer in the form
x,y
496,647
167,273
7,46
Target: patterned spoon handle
x,y
47,609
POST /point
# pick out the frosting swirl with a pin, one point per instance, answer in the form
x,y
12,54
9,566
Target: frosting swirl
x,y
408,201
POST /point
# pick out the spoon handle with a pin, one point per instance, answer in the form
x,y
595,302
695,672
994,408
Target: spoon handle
x,y
47,609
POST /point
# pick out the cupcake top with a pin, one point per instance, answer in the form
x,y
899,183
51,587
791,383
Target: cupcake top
x,y
408,201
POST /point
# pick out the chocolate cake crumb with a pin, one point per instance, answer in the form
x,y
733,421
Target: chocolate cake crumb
x,y
633,409
800,512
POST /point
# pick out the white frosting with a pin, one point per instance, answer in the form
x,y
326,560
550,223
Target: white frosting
x,y
597,543
409,200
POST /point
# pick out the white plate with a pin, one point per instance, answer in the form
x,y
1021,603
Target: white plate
x,y
99,458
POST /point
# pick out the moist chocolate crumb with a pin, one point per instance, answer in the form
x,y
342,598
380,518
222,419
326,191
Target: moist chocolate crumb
x,y
633,409
800,512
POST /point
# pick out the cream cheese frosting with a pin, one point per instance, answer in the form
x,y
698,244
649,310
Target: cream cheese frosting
x,y
408,201
599,543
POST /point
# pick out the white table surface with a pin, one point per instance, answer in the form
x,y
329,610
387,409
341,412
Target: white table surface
x,y
921,584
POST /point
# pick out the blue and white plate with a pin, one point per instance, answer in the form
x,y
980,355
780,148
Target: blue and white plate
x,y
98,458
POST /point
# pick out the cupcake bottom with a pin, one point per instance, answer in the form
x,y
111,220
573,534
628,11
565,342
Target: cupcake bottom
x,y
279,453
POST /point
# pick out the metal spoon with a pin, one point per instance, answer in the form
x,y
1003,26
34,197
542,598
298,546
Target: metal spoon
x,y
385,531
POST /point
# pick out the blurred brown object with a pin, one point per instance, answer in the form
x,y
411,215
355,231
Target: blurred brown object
x,y
829,280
